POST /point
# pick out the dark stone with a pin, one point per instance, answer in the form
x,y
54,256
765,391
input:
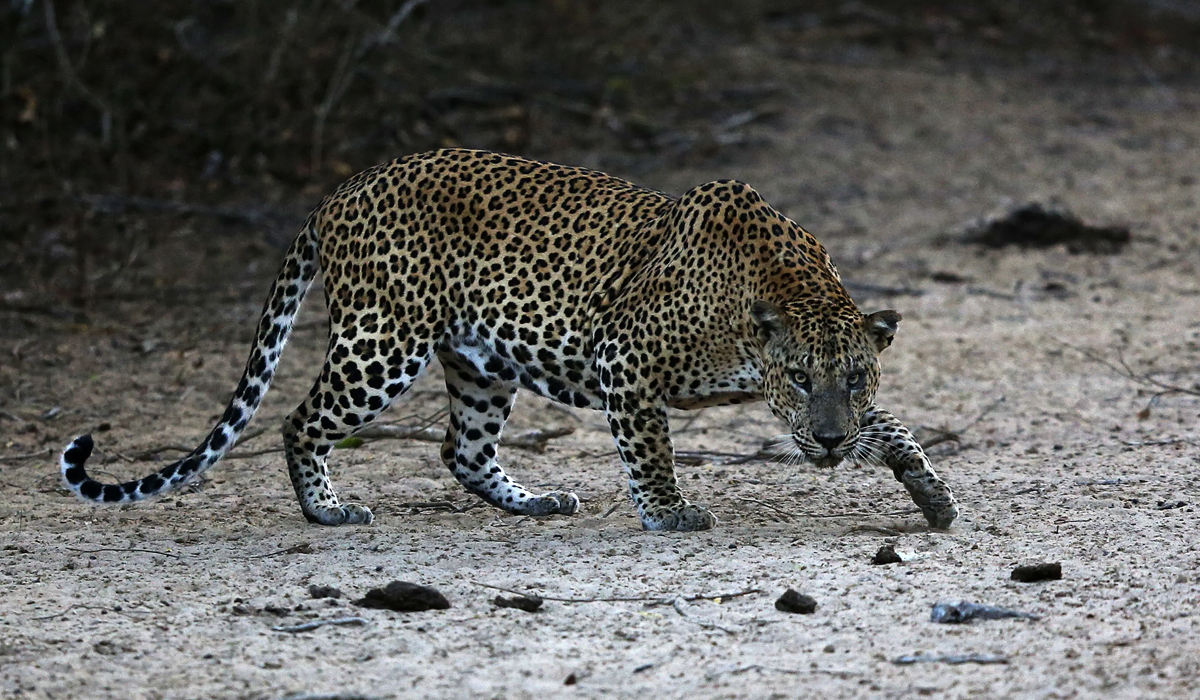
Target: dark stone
x,y
886,555
793,602
527,603
324,592
403,596
1050,571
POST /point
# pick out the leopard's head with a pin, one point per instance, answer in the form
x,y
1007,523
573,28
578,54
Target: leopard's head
x,y
820,371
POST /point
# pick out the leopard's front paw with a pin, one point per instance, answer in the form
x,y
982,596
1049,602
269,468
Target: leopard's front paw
x,y
684,518
552,503
351,514
940,514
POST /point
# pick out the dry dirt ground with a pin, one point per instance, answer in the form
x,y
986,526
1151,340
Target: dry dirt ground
x,y
1059,457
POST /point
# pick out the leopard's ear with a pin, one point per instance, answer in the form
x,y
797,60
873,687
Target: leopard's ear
x,y
882,326
768,319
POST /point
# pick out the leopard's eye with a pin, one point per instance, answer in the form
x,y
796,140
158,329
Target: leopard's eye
x,y
855,380
800,379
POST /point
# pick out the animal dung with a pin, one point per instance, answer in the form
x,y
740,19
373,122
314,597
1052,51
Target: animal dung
x,y
793,602
886,555
1030,573
315,591
403,596
530,603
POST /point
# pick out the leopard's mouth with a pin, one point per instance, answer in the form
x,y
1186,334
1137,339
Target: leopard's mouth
x,y
821,457
828,461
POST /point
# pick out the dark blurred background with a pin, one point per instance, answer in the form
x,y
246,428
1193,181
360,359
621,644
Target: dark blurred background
x,y
119,119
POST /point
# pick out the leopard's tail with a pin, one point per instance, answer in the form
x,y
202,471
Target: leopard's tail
x,y
297,274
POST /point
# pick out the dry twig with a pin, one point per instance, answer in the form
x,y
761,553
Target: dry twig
x,y
28,455
677,603
308,626
125,549
787,515
82,606
72,78
1122,368
955,435
651,600
448,506
347,66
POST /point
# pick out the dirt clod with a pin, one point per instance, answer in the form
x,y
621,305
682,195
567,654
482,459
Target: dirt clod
x,y
886,555
793,602
1035,226
324,591
1029,573
520,602
403,596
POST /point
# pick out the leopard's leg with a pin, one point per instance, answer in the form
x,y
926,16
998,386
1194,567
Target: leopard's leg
x,y
479,406
644,443
357,382
883,438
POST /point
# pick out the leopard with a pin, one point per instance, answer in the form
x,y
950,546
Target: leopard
x,y
580,287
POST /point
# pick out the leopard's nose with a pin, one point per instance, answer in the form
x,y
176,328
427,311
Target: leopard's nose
x,y
830,440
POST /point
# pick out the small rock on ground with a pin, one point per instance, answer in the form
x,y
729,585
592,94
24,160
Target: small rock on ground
x,y
529,603
403,596
1050,571
324,592
793,602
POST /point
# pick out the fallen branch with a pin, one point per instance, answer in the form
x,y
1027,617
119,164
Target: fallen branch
x,y
28,455
678,605
955,435
118,204
1165,441
1108,482
985,292
83,606
652,600
888,531
119,549
1123,369
346,69
787,515
950,659
535,440
71,78
307,626
447,506
254,453
616,502
789,671
767,453
149,453
530,439
860,514
302,548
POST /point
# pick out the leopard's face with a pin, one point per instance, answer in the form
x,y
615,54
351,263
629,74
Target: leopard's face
x,y
820,371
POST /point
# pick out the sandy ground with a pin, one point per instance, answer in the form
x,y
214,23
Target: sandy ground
x,y
1060,458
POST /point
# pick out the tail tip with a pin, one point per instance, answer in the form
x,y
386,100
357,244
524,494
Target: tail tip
x,y
79,449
